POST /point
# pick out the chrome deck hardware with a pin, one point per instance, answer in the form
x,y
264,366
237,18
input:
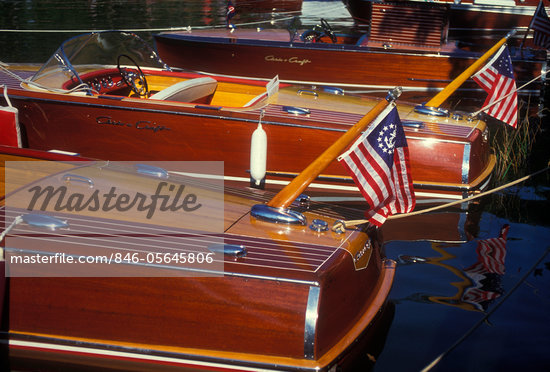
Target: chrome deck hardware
x,y
278,215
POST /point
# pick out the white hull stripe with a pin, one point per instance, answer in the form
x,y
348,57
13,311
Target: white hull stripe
x,y
112,354
315,185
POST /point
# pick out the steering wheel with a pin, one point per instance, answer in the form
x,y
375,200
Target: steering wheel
x,y
327,29
134,79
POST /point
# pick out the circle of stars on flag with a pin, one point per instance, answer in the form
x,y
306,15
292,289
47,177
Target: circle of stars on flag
x,y
386,138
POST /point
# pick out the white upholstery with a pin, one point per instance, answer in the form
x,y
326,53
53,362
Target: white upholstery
x,y
189,90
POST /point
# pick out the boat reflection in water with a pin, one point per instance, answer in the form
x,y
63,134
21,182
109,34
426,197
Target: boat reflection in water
x,y
480,283
458,225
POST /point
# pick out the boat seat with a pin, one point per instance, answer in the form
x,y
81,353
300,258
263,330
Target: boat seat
x,y
198,90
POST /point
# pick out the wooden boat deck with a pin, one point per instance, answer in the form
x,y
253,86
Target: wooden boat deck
x,y
299,257
24,72
297,260
349,119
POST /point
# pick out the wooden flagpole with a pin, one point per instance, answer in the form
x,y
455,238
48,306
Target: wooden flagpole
x,y
440,97
290,192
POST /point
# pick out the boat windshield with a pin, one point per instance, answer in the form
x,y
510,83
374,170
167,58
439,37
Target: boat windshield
x,y
97,50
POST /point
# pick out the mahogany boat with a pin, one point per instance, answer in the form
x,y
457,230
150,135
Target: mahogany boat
x,y
275,296
471,21
421,61
79,102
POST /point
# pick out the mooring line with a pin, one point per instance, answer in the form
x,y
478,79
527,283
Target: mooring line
x,y
341,225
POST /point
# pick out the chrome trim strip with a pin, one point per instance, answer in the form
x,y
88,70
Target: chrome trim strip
x,y
312,313
466,162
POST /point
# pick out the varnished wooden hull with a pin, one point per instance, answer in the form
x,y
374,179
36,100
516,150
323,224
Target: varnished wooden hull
x,y
23,358
449,159
297,300
248,322
269,52
468,21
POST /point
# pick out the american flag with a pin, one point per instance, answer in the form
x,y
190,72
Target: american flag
x,y
378,162
497,79
540,24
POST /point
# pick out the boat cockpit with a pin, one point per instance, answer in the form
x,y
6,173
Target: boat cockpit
x,y
119,65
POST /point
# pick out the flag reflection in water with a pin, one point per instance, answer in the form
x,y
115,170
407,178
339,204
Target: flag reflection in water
x,y
486,273
480,282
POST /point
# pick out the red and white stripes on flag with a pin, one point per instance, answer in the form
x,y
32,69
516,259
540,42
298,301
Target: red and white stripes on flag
x,y
540,24
487,270
491,252
378,162
497,79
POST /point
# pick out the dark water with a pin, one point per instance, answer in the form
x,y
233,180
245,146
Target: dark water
x,y
504,325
